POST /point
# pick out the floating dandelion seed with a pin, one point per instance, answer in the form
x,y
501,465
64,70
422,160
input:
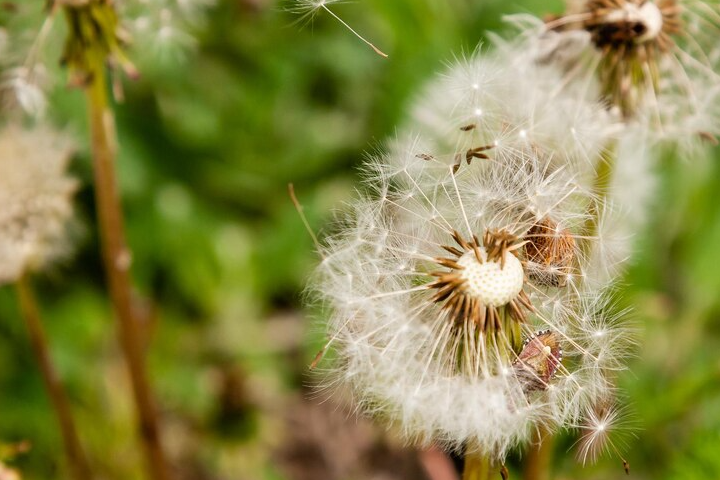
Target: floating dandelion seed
x,y
604,430
309,8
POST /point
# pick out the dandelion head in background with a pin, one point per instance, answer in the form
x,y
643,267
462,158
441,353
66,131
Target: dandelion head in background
x,y
36,193
167,27
656,59
632,36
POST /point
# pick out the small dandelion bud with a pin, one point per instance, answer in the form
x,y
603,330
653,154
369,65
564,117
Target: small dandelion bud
x,y
36,194
550,252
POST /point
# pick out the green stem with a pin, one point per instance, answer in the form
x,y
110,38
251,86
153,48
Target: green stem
x,y
477,467
601,187
117,259
539,458
31,315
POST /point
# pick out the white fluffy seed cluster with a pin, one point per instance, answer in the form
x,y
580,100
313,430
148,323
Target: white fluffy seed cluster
x,y
404,357
36,197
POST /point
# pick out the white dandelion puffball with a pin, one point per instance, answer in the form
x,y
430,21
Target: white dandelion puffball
x,y
36,197
435,287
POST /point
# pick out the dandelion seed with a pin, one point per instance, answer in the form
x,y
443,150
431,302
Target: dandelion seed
x,y
309,8
604,431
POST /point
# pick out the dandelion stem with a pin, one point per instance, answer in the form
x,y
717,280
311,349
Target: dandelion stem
x,y
31,315
601,186
116,258
477,467
539,458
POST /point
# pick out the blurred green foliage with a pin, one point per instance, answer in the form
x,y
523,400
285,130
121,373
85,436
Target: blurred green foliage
x,y
208,146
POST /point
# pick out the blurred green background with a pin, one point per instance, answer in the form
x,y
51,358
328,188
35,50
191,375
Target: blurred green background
x,y
208,146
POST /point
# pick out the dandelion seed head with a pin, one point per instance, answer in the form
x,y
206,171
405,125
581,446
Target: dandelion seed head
x,y
456,287
403,293
36,194
657,62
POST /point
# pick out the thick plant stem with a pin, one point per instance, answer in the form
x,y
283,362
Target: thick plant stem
x,y
117,259
31,315
477,467
539,458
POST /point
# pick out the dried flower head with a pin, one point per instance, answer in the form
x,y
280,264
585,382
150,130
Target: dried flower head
x,y
538,361
550,253
36,194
